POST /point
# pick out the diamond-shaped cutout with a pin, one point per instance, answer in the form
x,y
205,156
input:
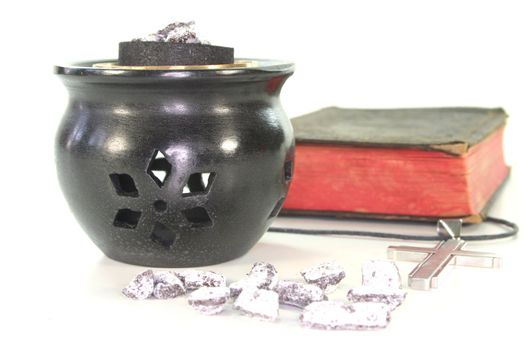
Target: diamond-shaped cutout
x,y
197,216
127,218
159,169
163,235
288,170
198,183
277,208
160,206
124,185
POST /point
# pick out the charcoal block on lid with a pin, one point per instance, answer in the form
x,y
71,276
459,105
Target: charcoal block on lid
x,y
151,53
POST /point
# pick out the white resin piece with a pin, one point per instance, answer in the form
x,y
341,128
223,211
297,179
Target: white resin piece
x,y
327,315
258,303
338,315
209,300
176,32
167,285
262,276
298,294
391,297
141,287
381,274
370,315
325,275
195,279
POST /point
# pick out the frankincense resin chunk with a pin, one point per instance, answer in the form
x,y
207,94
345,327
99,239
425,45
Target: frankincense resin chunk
x,y
338,315
141,287
326,275
209,300
327,315
392,297
298,294
380,273
258,303
176,32
167,285
370,316
195,279
262,276
381,283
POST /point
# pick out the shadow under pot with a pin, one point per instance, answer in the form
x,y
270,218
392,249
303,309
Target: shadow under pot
x,y
175,168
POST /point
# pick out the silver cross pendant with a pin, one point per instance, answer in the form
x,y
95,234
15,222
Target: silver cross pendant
x,y
449,251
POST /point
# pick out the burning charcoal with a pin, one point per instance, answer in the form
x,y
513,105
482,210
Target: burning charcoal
x,y
141,287
259,303
381,274
195,279
337,315
392,297
167,285
326,276
261,276
209,300
298,294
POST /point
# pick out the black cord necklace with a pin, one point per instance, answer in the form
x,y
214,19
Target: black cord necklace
x,y
512,230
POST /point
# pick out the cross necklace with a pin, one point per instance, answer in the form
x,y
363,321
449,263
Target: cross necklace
x,y
425,275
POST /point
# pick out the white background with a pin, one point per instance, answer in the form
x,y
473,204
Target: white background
x,y
59,291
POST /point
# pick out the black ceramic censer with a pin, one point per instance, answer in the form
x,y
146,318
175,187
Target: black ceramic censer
x,y
176,155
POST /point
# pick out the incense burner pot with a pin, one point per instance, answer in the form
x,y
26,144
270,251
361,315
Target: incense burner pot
x,y
175,166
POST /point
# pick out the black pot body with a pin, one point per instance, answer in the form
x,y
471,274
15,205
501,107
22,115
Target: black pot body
x,y
174,169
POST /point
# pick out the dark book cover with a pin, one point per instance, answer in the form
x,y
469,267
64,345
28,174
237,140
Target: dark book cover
x,y
453,129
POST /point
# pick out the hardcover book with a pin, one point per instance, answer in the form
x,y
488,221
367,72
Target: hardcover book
x,y
416,164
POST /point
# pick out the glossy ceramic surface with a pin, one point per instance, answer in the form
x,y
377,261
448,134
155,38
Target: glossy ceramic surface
x,y
173,168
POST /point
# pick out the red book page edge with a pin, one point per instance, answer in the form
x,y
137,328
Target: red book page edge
x,y
396,182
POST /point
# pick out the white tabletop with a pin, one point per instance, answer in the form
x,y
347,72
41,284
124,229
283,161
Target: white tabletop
x,y
69,294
